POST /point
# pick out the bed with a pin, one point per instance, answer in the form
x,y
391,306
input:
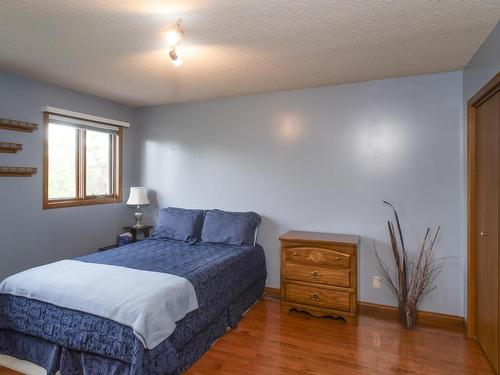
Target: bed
x,y
227,279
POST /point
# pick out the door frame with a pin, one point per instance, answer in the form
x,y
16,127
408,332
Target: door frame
x,y
480,97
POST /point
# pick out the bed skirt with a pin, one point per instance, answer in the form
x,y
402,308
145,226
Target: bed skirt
x,y
15,345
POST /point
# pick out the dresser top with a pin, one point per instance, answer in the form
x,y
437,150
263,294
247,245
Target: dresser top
x,y
300,236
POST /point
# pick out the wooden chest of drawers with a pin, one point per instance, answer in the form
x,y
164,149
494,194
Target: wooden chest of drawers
x,y
319,274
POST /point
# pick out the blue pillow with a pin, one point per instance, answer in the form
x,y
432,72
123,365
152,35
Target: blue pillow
x,y
231,228
179,224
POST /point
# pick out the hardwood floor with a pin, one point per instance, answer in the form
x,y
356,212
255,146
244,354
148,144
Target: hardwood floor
x,y
269,342
6,371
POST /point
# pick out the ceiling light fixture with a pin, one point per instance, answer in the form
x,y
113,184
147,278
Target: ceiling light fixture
x,y
176,60
173,37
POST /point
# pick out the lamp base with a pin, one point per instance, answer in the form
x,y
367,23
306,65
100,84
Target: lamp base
x,y
138,217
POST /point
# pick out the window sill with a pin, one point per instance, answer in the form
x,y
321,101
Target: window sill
x,y
80,202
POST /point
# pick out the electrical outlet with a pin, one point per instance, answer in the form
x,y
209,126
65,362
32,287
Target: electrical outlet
x,y
375,281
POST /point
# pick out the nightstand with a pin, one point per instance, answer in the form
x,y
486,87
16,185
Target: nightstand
x,y
134,231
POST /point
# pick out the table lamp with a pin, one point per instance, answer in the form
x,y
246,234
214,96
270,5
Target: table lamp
x,y
138,197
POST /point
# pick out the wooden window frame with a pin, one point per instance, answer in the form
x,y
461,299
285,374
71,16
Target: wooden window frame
x,y
491,88
81,199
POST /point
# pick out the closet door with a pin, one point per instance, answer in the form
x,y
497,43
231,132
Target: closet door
x,y
487,219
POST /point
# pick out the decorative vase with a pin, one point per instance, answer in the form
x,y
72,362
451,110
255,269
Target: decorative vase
x,y
408,316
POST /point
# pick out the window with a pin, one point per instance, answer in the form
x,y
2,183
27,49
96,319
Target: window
x,y
82,162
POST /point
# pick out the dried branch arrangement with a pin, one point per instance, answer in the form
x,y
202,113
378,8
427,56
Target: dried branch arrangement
x,y
413,277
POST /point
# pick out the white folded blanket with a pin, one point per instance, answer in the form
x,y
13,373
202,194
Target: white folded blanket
x,y
148,302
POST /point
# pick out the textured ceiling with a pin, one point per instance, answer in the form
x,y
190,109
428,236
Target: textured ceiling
x,y
116,48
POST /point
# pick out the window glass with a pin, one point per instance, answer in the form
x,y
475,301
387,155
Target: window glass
x,y
98,154
62,158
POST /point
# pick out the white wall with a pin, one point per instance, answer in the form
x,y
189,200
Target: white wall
x,y
323,160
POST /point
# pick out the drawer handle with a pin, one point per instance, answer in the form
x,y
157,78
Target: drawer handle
x,y
337,258
316,275
315,297
294,254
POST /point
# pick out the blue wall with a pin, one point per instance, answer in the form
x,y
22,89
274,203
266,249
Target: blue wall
x,y
322,159
29,235
483,65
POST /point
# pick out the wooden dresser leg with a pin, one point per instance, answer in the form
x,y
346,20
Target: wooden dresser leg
x,y
351,320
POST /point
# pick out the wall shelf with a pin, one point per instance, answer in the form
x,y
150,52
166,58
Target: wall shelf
x,y
11,148
17,171
20,126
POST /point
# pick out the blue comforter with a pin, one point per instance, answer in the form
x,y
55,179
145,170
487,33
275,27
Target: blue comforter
x,y
227,279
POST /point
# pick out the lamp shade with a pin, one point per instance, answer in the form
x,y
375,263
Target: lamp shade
x,y
137,196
